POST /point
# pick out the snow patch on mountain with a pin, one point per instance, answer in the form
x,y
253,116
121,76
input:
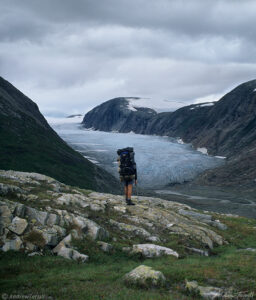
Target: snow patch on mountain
x,y
202,150
156,104
202,105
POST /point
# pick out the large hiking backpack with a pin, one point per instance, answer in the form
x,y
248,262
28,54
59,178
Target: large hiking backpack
x,y
127,163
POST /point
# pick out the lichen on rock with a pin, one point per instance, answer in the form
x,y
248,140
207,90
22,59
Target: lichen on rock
x,y
145,277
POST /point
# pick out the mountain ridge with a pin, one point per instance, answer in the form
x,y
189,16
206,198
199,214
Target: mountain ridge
x,y
225,128
28,143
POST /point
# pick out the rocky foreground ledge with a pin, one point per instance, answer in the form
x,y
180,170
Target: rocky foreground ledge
x,y
39,215
37,212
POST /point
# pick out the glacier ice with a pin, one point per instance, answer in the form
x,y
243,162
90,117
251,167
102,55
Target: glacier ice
x,y
160,160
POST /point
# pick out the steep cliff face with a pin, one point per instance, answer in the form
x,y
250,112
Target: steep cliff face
x,y
118,115
28,143
229,126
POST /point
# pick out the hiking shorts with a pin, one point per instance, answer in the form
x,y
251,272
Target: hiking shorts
x,y
127,180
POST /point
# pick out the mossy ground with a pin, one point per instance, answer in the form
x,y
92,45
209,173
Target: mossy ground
x,y
101,277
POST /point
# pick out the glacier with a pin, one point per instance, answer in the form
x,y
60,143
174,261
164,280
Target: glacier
x,y
161,160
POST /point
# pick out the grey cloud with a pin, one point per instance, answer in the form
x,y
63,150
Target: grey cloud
x,y
197,17
72,55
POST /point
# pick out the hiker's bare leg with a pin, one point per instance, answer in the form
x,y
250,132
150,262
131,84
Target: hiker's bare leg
x,y
129,191
126,191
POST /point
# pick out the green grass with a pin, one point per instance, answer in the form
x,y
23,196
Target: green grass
x,y
101,277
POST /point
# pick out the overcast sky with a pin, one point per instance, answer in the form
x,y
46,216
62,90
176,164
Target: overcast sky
x,y
69,56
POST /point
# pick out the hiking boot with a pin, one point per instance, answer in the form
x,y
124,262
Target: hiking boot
x,y
129,202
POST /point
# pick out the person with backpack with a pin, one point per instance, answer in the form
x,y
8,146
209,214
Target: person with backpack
x,y
127,171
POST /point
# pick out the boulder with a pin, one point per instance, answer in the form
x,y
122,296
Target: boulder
x,y
95,231
39,216
13,244
151,250
145,277
66,241
65,252
20,210
18,225
79,256
207,292
69,253
51,236
105,246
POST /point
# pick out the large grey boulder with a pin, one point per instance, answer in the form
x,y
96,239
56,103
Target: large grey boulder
x,y
151,250
208,292
145,277
18,225
69,253
51,236
34,214
12,244
20,210
95,231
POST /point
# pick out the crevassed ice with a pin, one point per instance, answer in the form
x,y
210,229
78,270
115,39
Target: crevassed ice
x,y
160,160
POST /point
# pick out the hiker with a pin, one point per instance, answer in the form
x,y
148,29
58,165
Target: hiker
x,y
127,171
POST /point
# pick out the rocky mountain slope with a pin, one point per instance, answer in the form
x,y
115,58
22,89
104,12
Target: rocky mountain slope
x,y
41,216
225,128
28,143
118,115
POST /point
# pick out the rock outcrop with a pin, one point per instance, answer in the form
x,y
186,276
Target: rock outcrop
x,y
214,293
144,277
37,212
151,250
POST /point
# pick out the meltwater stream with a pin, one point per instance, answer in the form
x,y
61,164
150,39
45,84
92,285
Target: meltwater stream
x,y
160,160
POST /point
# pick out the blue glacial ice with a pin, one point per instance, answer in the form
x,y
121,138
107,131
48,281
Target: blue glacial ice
x,y
160,160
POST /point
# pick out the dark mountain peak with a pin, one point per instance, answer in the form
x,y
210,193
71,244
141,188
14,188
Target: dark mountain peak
x,y
14,103
118,114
